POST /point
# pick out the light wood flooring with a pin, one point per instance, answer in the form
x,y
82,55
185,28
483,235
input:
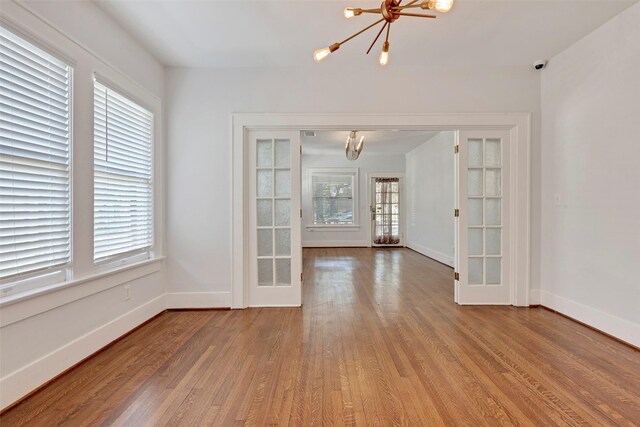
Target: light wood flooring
x,y
379,341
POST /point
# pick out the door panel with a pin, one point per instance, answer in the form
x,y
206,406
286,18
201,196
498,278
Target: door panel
x,y
274,219
482,227
386,211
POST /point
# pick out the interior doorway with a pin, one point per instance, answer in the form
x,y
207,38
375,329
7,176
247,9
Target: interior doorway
x,y
513,277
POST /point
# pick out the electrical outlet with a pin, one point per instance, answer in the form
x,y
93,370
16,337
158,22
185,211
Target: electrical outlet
x,y
127,292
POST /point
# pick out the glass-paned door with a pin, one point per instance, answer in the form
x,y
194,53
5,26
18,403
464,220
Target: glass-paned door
x,y
274,237
385,211
483,222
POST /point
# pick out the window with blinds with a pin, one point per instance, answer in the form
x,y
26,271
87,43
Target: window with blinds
x,y
123,205
35,106
333,197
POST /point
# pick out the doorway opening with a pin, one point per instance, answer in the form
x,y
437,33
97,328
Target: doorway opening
x,y
399,193
364,202
340,198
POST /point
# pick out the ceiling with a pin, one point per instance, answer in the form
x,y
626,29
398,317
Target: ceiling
x,y
243,33
375,142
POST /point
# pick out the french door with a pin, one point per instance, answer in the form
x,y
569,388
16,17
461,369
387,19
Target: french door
x,y
385,196
275,247
482,227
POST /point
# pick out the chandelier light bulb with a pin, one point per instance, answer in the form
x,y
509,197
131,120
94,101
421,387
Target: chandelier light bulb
x,y
320,54
348,13
384,55
443,6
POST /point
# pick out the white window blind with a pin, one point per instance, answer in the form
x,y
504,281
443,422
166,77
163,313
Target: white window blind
x,y
123,207
34,159
333,200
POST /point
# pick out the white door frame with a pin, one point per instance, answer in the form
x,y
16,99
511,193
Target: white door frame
x,y
519,125
399,175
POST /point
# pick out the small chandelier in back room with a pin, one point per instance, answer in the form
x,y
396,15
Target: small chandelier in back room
x,y
390,10
353,150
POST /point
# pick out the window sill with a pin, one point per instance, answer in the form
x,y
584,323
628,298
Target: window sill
x,y
66,292
333,227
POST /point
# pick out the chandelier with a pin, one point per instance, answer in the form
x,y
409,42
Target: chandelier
x,y
353,151
390,10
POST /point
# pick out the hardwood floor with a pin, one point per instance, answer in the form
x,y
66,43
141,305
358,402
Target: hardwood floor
x,y
379,341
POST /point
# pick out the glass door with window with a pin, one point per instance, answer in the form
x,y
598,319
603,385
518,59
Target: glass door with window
x,y
274,219
385,211
483,223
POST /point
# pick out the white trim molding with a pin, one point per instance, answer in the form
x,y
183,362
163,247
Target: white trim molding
x,y
336,244
331,228
620,328
519,125
433,254
198,300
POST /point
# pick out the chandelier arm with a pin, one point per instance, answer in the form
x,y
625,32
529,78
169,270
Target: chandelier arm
x,y
386,39
410,3
409,7
415,15
361,31
386,24
378,10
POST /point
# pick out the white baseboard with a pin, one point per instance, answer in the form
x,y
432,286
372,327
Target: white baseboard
x,y
28,378
438,256
199,300
336,244
620,328
534,296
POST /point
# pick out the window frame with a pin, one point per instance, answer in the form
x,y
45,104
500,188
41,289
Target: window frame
x,y
33,280
82,277
354,174
135,256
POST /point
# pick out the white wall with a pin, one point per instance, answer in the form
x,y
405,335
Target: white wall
x,y
43,335
366,164
590,158
430,190
199,138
